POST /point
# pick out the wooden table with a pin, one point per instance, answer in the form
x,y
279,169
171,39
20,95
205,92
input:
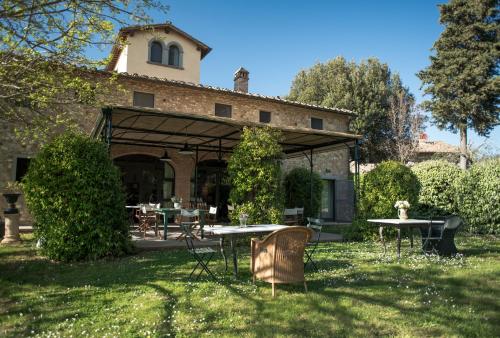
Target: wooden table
x,y
236,231
398,224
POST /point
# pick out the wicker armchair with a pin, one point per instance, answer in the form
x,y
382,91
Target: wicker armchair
x,y
279,258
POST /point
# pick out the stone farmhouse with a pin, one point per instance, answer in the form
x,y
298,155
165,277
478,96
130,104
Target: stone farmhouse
x,y
171,135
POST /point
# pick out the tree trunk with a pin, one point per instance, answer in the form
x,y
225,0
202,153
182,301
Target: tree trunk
x,y
463,147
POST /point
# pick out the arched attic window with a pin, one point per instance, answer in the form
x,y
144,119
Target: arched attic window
x,y
174,56
156,53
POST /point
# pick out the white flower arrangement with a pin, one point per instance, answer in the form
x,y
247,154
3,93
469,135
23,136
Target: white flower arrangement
x,y
402,205
243,216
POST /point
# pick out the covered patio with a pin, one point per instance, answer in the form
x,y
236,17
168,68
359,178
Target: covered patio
x,y
185,141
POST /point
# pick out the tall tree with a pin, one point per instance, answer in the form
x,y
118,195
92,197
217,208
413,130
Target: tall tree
x,y
366,88
44,43
462,78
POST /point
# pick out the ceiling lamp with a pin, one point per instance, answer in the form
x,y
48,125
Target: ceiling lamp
x,y
186,150
165,157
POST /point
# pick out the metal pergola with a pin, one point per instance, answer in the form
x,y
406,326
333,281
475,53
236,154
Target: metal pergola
x,y
149,127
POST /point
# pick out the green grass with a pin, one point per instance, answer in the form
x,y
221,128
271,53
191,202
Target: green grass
x,y
358,292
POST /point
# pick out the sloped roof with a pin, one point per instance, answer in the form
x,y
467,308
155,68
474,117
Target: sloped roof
x,y
168,26
425,146
275,99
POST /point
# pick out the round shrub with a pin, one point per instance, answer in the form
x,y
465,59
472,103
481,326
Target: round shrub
x,y
437,187
479,198
389,182
298,191
74,193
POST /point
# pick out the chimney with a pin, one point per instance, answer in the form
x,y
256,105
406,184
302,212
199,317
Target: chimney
x,y
241,80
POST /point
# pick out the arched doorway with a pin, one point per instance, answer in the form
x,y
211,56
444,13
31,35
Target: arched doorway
x,y
146,179
213,185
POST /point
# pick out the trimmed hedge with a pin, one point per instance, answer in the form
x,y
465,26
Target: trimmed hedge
x,y
479,197
74,193
298,191
437,187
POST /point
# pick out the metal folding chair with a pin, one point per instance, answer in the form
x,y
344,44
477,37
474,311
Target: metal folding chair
x,y
203,256
290,216
315,224
189,219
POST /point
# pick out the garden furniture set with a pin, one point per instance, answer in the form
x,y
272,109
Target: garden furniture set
x,y
437,234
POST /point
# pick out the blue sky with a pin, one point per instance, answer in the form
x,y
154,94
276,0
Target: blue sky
x,y
276,39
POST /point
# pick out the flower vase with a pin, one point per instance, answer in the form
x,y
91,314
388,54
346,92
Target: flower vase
x,y
177,205
243,222
403,214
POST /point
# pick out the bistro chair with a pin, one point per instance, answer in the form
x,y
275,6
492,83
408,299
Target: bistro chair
x,y
147,219
316,225
300,215
203,256
189,219
211,216
279,257
290,216
440,237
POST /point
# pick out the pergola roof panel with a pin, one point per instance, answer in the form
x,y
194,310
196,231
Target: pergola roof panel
x,y
153,127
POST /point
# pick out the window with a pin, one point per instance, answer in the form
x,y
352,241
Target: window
x,y
144,100
22,165
316,123
156,52
264,116
174,56
222,110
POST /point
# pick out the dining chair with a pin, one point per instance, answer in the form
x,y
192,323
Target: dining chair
x,y
316,225
300,215
189,219
211,216
290,216
147,219
279,257
439,237
203,256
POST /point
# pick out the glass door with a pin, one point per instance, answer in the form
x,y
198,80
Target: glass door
x,y
328,200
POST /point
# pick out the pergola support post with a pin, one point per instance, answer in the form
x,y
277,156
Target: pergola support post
x,y
357,184
218,178
108,128
196,176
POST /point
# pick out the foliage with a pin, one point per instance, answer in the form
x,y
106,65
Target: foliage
x,y
255,173
462,78
42,43
479,198
298,191
389,182
369,89
13,187
74,193
437,187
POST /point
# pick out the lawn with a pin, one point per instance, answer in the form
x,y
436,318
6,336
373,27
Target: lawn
x,y
358,292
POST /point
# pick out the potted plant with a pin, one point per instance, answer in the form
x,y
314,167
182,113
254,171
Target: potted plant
x,y
177,202
402,207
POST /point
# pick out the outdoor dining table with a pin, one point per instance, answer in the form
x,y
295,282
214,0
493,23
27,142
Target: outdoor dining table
x,y
168,212
398,224
233,232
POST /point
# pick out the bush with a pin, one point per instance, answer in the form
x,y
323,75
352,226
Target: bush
x,y
74,193
298,191
389,182
437,187
255,172
479,198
